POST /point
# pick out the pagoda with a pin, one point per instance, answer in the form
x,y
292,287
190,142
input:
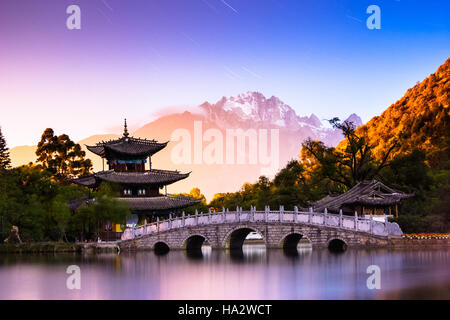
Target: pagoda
x,y
127,158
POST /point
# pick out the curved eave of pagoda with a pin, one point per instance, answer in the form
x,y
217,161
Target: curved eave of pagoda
x,y
98,150
159,203
127,147
129,150
86,181
153,177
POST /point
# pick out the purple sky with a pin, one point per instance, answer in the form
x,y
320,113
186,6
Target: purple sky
x,y
132,58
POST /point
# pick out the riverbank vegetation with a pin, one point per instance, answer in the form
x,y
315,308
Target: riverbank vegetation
x,y
36,197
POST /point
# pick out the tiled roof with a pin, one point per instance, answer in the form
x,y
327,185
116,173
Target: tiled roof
x,y
154,176
368,192
159,203
76,203
145,203
127,146
88,180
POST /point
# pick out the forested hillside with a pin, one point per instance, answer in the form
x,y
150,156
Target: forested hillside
x,y
420,119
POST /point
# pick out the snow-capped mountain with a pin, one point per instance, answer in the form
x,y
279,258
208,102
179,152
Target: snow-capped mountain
x,y
253,109
355,119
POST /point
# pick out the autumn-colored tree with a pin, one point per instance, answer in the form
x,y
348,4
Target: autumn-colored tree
x,y
61,156
351,162
201,206
420,119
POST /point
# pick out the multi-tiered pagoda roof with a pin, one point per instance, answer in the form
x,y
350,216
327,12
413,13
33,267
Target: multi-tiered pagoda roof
x,y
127,146
127,158
152,177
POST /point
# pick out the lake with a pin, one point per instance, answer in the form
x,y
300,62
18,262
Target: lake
x,y
253,273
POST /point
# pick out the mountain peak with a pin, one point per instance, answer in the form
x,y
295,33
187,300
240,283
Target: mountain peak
x,y
313,120
355,119
253,108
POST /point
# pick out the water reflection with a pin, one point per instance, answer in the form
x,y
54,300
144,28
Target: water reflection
x,y
251,273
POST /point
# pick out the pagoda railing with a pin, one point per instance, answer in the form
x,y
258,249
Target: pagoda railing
x,y
338,221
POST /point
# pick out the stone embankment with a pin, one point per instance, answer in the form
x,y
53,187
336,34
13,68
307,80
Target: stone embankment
x,y
60,247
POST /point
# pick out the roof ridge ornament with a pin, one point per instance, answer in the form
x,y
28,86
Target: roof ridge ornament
x,y
125,129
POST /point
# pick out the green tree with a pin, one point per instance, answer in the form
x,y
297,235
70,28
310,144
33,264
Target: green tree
x,y
33,201
26,191
104,207
61,156
428,210
289,187
5,160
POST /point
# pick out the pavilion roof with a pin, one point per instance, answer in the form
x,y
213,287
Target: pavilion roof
x,y
127,146
166,202
151,177
373,193
159,203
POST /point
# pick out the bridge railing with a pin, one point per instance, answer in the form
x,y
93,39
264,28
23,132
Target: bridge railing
x,y
340,221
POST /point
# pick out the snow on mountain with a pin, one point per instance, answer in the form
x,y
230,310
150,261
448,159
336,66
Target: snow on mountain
x,y
253,109
355,119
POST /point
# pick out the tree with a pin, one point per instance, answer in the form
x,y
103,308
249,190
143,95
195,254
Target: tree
x,y
61,156
201,206
5,160
104,208
289,187
428,210
351,162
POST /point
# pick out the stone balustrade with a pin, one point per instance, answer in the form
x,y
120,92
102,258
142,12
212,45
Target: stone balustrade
x,y
272,217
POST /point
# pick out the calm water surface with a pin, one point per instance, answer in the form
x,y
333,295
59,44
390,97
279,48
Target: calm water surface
x,y
254,273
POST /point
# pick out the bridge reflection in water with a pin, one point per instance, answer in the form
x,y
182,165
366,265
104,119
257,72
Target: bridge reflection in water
x,y
252,247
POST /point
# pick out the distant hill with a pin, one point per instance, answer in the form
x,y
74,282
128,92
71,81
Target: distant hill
x,y
420,119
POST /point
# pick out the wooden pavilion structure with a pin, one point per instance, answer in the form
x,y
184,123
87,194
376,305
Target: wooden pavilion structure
x,y
365,198
130,167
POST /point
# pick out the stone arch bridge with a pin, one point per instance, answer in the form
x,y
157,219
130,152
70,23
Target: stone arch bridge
x,y
278,229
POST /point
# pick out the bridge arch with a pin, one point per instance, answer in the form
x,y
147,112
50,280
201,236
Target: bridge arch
x,y
194,242
161,247
337,244
290,241
234,239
